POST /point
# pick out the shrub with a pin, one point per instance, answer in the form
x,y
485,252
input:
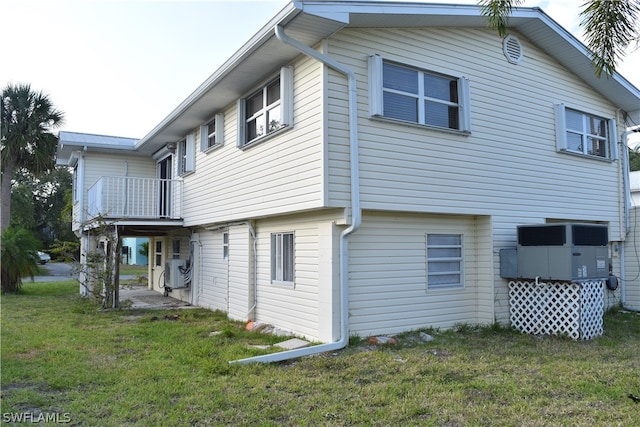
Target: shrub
x,y
19,258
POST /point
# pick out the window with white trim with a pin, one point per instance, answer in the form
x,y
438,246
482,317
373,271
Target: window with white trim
x,y
583,133
211,134
282,257
175,248
158,253
76,190
225,245
187,154
410,94
444,261
266,110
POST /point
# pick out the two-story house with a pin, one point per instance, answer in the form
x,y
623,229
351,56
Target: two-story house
x,y
356,167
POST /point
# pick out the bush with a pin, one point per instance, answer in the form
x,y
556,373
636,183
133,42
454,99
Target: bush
x,y
19,258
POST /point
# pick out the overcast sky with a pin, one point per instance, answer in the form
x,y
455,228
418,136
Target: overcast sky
x,y
119,67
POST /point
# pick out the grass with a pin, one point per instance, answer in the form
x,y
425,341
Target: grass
x,y
134,269
113,368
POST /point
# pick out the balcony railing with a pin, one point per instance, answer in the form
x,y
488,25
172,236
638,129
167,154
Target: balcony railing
x,y
130,197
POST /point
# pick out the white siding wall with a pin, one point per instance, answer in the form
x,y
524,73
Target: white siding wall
x,y
632,262
388,274
306,307
213,284
509,164
240,294
508,168
281,174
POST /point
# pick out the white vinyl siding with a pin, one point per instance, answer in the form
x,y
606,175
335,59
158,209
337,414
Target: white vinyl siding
x,y
309,308
632,261
507,168
388,271
213,286
286,174
240,285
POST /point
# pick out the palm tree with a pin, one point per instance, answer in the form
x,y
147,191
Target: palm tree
x,y
18,257
25,138
609,27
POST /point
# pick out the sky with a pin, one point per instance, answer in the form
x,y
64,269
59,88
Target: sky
x,y
117,67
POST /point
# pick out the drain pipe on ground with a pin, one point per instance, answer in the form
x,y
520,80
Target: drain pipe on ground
x,y
356,214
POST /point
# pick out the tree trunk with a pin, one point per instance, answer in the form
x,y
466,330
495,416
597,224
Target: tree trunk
x,y
5,193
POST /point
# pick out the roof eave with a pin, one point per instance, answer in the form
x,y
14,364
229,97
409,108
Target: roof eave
x,y
156,138
314,20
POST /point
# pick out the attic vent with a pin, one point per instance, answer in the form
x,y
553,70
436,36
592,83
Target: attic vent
x,y
512,49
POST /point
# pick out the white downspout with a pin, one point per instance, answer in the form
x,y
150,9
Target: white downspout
x,y
356,214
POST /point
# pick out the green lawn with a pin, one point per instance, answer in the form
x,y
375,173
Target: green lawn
x,y
61,357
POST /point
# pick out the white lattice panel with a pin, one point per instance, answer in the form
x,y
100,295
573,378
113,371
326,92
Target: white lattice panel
x,y
572,308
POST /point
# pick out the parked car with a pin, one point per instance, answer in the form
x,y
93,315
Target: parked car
x,y
44,257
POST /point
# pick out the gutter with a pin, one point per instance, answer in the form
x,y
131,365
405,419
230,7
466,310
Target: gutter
x,y
356,212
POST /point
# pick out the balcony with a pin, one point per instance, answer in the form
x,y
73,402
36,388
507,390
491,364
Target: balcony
x,y
124,197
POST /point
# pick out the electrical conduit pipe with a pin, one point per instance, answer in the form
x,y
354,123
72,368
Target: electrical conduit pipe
x,y
356,214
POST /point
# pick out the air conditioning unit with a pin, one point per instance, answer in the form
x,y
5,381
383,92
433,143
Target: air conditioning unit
x,y
174,276
563,251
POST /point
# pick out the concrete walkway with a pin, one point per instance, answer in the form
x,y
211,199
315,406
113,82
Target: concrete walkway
x,y
142,297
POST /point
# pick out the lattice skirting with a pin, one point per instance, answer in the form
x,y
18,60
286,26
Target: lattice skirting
x,y
572,308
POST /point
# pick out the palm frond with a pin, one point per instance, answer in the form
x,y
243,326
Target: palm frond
x,y
497,13
609,27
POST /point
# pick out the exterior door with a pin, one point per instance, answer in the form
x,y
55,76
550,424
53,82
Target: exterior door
x,y
164,187
156,262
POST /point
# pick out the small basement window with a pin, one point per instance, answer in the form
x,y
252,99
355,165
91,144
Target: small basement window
x,y
282,258
444,261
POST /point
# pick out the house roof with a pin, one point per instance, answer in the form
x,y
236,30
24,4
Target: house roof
x,y
311,21
70,142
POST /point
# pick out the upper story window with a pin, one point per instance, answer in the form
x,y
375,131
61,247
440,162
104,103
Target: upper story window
x,y
267,110
211,134
414,95
76,190
187,154
584,133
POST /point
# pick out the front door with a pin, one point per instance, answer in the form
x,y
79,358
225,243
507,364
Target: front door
x,y
164,187
156,263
